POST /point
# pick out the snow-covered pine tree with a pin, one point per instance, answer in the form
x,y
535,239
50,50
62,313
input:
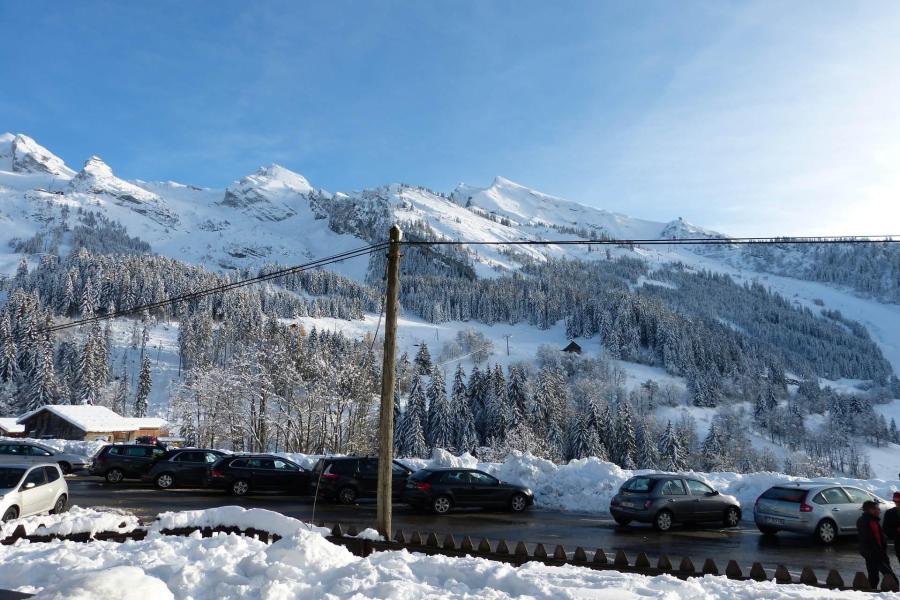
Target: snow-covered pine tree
x,y
142,400
646,455
423,360
671,451
465,435
9,365
44,389
714,451
625,443
517,391
440,432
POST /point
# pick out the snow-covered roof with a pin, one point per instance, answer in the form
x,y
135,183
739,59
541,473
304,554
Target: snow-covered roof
x,y
9,425
96,418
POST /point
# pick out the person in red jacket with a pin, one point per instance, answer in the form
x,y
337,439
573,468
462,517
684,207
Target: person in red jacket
x,y
873,543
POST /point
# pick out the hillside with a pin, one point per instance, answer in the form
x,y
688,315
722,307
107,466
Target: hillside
x,y
694,346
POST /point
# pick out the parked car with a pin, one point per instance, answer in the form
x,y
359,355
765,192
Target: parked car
x,y
443,489
822,510
348,478
241,474
182,468
667,499
27,489
34,453
117,462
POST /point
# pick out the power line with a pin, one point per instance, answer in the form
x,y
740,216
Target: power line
x,y
224,287
865,239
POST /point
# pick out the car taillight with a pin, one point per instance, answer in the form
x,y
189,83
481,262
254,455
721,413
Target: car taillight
x,y
100,459
648,504
804,507
329,476
216,473
424,486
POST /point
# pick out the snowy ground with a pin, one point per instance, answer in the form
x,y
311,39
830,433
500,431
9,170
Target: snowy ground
x,y
305,565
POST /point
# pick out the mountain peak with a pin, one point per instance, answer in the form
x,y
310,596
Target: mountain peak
x,y
27,156
284,175
97,167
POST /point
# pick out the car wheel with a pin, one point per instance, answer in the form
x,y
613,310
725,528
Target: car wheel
x,y
346,495
732,516
240,487
767,530
826,532
663,521
60,506
441,505
165,481
115,476
11,513
622,520
518,503
65,467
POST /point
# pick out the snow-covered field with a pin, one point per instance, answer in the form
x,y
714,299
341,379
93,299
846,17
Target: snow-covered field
x,y
304,565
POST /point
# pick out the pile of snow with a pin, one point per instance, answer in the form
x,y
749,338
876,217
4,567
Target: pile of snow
x,y
76,520
306,565
80,447
234,516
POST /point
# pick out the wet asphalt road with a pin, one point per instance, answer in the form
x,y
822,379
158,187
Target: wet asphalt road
x,y
743,544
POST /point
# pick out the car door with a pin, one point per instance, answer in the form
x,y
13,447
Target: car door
x,y
857,497
838,506
458,485
290,477
368,476
706,502
675,498
6,454
34,492
262,473
485,490
190,467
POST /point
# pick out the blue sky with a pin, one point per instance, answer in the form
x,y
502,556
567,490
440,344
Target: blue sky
x,y
752,118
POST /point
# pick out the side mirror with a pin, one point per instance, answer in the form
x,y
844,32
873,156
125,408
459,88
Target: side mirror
x,y
713,493
29,485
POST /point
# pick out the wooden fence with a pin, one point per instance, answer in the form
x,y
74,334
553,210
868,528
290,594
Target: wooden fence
x,y
502,551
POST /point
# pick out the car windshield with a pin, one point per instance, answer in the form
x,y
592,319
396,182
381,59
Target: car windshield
x,y
785,495
638,484
9,478
420,475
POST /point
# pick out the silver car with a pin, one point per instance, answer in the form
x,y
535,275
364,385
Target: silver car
x,y
34,453
823,510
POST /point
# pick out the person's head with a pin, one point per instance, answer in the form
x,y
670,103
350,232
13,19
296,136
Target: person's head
x,y
896,498
870,507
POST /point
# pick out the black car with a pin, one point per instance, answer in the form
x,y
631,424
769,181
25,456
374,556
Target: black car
x,y
241,474
442,489
347,478
116,462
184,467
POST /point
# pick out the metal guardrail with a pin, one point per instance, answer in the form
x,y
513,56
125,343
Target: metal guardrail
x,y
497,550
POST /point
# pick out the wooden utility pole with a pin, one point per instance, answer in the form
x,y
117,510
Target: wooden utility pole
x,y
388,372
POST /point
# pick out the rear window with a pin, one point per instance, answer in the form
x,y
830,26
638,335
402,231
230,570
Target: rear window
x,y
638,484
115,450
343,467
784,495
422,475
240,463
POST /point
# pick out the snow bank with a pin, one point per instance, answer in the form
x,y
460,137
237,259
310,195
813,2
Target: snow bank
x,y
79,447
305,565
234,516
75,520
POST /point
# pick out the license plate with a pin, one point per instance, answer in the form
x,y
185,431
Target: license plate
x,y
627,504
774,521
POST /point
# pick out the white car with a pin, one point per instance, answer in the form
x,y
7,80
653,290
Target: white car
x,y
27,490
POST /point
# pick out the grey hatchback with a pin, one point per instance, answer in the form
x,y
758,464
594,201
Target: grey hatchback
x,y
664,500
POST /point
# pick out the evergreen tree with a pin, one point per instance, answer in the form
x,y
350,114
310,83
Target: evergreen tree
x,y
440,432
714,451
671,451
141,402
43,388
646,452
625,444
465,435
423,360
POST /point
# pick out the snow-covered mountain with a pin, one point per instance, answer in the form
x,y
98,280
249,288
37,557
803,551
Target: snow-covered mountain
x,y
276,215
